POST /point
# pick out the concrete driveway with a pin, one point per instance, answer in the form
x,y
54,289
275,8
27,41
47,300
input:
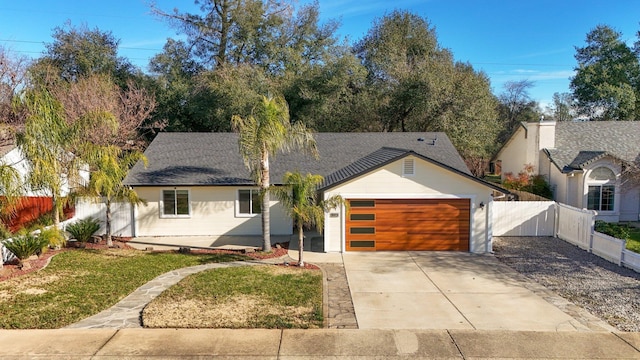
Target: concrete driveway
x,y
446,290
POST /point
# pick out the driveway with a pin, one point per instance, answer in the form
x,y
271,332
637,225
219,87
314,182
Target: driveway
x,y
447,290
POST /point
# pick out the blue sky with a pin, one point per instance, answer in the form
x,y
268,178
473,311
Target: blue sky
x,y
508,40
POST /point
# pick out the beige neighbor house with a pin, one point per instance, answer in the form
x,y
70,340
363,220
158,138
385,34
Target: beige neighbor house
x,y
585,163
405,191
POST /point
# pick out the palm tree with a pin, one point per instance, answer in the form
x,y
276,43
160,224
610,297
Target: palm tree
x,y
299,197
261,135
109,166
46,143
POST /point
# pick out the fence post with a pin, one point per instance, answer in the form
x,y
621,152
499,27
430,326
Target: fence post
x,y
556,219
592,228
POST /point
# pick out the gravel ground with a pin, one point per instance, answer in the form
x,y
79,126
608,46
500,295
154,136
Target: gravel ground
x,y
604,289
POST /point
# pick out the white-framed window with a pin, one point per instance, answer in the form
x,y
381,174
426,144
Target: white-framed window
x,y
248,203
408,167
175,203
601,189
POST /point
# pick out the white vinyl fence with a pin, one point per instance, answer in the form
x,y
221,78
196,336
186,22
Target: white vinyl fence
x,y
573,225
523,218
121,216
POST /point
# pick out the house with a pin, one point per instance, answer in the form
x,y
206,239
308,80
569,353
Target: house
x,y
586,163
405,191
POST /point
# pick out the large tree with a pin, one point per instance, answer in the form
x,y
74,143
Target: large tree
x,y
230,31
262,134
414,84
247,48
175,72
606,84
562,108
78,52
516,106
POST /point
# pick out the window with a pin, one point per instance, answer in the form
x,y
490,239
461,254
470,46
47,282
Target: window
x,y
601,189
600,197
249,202
175,203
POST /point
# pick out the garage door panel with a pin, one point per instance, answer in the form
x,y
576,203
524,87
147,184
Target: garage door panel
x,y
412,224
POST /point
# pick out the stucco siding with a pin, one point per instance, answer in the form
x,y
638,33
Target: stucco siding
x,y
212,212
630,202
513,155
429,181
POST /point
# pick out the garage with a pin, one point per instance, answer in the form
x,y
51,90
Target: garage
x,y
408,224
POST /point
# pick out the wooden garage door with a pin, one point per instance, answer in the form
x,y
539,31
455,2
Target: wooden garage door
x,y
408,224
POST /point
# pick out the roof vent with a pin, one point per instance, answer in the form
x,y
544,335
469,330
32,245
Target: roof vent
x,y
421,139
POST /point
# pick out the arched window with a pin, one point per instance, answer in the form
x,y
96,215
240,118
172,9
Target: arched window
x,y
602,189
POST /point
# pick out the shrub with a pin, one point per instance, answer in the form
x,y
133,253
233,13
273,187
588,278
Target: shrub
x,y
526,181
83,230
5,233
612,229
54,237
23,246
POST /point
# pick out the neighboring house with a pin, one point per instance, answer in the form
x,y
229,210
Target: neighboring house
x,y
32,204
584,162
405,191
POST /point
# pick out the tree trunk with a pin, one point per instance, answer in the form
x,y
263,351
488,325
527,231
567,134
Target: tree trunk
x,y
107,224
264,187
56,211
300,245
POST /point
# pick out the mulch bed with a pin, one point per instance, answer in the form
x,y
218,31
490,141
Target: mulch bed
x,y
12,270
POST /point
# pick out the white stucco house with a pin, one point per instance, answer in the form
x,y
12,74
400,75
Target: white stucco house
x,y
587,163
405,191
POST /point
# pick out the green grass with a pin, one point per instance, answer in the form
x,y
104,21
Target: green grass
x,y
493,178
78,284
633,240
241,297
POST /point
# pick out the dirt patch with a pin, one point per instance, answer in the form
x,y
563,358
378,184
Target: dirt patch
x,y
242,311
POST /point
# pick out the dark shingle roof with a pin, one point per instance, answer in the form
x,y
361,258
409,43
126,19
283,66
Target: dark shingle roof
x,y
579,143
182,159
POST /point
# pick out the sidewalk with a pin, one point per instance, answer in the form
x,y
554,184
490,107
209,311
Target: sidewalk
x,y
325,343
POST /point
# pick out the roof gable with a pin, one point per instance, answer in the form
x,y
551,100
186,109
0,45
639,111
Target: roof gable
x,y
385,156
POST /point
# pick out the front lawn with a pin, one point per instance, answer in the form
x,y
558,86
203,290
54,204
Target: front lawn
x,y
78,284
241,297
633,240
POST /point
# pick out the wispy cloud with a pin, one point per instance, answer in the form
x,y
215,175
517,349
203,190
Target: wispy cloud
x,y
533,75
544,54
347,8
